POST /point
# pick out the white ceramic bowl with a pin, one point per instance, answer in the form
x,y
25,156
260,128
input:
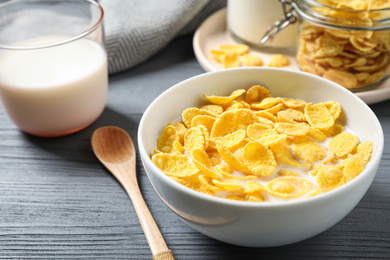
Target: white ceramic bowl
x,y
259,224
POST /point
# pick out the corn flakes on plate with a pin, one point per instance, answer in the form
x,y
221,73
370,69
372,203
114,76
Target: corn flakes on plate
x,y
210,42
260,157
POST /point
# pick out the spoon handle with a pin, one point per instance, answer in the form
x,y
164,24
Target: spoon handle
x,y
159,248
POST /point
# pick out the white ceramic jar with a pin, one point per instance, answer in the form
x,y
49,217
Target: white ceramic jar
x,y
249,20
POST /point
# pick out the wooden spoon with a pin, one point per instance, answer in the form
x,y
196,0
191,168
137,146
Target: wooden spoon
x,y
115,150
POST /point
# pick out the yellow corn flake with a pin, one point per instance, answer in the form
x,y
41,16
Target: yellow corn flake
x,y
315,192
317,135
251,60
292,129
265,103
232,140
307,150
254,197
168,136
239,49
279,60
266,115
218,55
252,187
365,149
259,159
288,186
256,94
181,129
273,139
288,173
353,166
284,154
291,115
189,113
155,151
257,130
177,148
227,171
174,165
293,103
207,183
265,121
215,160
318,116
330,177
237,104
215,110
343,144
235,197
231,121
194,139
230,60
332,158
275,109
207,121
220,100
230,159
201,160
228,185
345,79
333,130
193,184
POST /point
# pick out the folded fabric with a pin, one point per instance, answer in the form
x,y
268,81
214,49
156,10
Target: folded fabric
x,y
137,29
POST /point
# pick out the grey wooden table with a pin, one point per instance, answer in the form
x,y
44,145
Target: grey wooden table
x,y
58,202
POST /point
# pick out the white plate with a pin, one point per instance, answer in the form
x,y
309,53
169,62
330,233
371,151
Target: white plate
x,y
213,33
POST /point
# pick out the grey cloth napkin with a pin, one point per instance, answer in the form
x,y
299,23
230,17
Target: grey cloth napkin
x,y
137,29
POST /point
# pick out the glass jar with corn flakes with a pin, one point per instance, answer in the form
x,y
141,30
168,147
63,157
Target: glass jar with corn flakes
x,y
346,41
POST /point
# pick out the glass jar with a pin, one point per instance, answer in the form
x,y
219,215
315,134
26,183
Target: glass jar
x,y
347,42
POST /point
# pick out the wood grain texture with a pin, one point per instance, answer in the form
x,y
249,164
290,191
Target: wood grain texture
x,y
58,202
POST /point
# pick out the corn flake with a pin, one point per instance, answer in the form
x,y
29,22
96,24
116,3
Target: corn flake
x,y
256,94
259,159
219,100
292,129
330,177
307,150
174,165
279,60
343,144
251,60
231,121
288,186
318,116
168,136
195,139
189,113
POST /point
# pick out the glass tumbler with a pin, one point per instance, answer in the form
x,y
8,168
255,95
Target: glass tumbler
x,y
53,65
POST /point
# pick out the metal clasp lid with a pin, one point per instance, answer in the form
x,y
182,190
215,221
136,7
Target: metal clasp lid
x,y
289,17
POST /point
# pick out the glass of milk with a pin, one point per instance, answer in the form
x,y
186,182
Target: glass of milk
x,y
53,65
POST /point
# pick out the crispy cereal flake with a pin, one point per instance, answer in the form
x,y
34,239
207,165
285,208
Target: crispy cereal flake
x,y
168,136
220,100
330,177
174,165
288,186
344,144
259,159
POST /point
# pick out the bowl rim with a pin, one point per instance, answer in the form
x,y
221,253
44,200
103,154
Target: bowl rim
x,y
373,163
